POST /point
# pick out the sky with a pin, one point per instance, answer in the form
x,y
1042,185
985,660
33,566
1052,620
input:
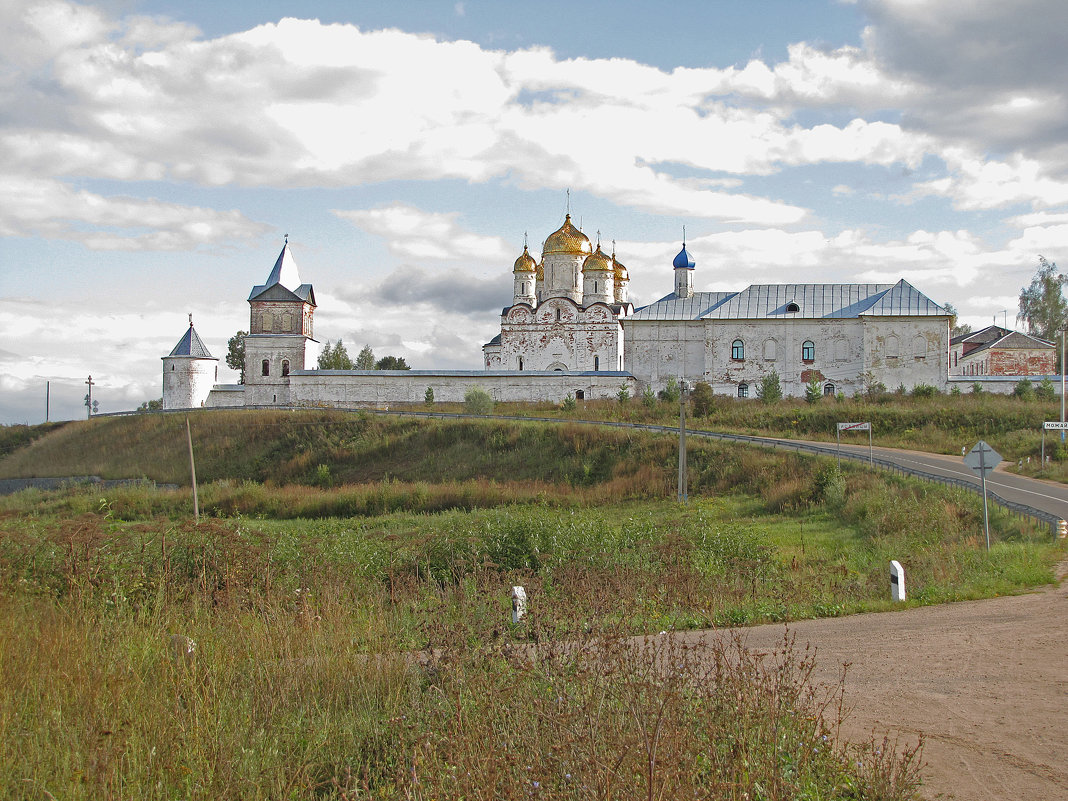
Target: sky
x,y
155,153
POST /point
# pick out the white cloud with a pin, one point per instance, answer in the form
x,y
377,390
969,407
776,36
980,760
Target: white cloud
x,y
412,233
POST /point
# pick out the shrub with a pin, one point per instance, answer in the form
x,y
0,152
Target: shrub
x,y
955,392
671,391
1045,390
813,391
977,388
568,404
1024,389
703,399
648,397
924,391
623,396
428,396
769,389
477,401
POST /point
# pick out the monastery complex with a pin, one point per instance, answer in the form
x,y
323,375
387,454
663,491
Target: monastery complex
x,y
572,330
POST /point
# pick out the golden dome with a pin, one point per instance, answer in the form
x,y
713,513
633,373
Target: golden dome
x,y
619,270
597,262
568,239
525,263
540,274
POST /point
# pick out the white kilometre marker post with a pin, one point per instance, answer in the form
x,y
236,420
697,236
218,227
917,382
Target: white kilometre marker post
x,y
519,603
897,581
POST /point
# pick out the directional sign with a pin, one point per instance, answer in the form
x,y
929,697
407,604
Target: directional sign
x,y
1055,425
982,458
854,426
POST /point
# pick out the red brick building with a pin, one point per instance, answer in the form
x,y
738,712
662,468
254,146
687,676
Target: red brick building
x,y
999,351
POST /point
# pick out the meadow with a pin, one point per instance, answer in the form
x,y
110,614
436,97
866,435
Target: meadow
x,y
348,593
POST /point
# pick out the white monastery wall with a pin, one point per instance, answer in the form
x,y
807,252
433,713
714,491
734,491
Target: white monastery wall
x,y
907,350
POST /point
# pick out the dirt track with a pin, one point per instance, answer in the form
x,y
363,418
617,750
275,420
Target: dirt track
x,y
985,682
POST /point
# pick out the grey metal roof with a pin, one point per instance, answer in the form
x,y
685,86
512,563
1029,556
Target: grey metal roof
x,y
997,337
465,373
285,280
813,301
672,307
191,345
304,293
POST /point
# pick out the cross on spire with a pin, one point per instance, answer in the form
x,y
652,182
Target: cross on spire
x,y
190,319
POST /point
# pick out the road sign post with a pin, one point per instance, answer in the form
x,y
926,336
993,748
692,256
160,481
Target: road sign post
x,y
1051,425
982,459
854,427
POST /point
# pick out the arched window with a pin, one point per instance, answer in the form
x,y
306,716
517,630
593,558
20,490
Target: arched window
x,y
893,348
919,347
828,389
580,394
743,390
595,287
266,367
792,307
596,362
808,351
520,362
557,315
738,350
285,367
769,349
172,368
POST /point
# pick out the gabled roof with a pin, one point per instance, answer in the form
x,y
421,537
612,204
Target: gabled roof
x,y
285,281
994,336
191,345
813,301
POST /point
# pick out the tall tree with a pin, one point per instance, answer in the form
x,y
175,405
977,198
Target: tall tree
x,y
334,357
235,354
366,359
1042,304
392,363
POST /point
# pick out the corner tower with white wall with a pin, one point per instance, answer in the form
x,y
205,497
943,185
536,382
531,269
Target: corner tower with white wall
x,y
189,372
280,327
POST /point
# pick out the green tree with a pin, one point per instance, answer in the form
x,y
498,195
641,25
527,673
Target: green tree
x,y
334,357
428,396
769,389
477,401
648,397
1045,390
813,391
235,354
569,403
1024,389
623,396
392,363
151,405
1042,304
366,359
703,399
671,391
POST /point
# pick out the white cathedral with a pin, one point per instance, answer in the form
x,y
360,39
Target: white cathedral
x,y
572,331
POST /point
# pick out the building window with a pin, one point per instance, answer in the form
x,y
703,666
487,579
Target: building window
x,y
557,315
216,372
743,390
769,349
595,287
828,390
266,367
737,350
172,368
596,362
520,362
808,351
792,307
580,395
285,367
892,347
919,347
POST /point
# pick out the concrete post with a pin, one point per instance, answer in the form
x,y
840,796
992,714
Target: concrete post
x,y
519,603
897,581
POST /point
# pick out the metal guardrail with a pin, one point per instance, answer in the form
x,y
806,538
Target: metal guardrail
x,y
1021,509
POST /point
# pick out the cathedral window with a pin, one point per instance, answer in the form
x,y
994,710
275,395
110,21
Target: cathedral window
x,y
520,362
743,390
738,350
808,351
285,367
266,367
557,315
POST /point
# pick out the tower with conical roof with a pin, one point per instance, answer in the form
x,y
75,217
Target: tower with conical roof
x,y
280,327
189,372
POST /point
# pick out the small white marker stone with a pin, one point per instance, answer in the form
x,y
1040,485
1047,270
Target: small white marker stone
x,y
519,603
897,581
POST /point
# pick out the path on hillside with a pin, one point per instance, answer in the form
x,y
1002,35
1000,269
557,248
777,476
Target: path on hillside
x,y
985,683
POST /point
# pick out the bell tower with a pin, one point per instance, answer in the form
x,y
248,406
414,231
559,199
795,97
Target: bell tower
x,y
280,327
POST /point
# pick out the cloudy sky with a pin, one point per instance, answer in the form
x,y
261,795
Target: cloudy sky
x,y
154,153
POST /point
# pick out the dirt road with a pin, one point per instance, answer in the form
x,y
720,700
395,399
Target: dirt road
x,y
985,682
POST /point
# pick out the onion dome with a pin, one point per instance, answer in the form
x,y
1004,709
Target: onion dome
x,y
539,275
525,263
619,270
567,239
684,261
597,262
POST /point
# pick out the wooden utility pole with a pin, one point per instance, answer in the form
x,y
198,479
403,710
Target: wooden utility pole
x,y
193,472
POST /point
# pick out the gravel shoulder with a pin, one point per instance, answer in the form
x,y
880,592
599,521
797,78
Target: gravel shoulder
x,y
984,682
